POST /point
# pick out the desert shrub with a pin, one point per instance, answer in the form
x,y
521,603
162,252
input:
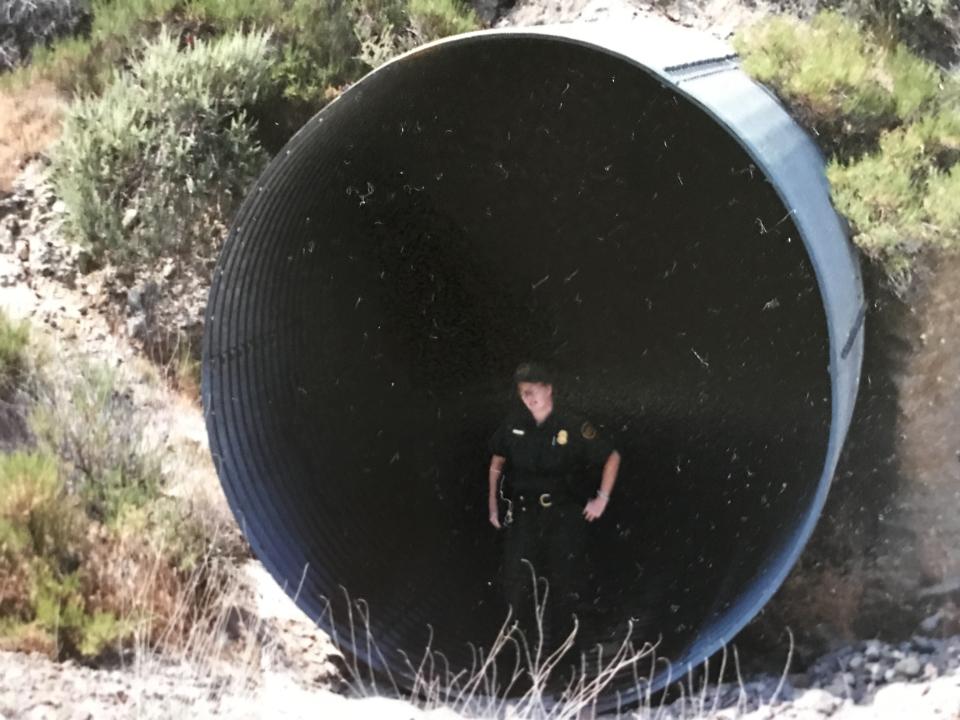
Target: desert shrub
x,y
888,120
321,45
902,198
25,24
90,422
42,541
838,78
930,28
325,44
14,338
320,56
434,19
233,14
95,551
34,516
382,31
158,162
126,18
85,63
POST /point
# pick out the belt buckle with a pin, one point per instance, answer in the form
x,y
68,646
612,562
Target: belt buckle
x,y
545,500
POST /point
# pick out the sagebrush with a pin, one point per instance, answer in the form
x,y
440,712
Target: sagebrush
x,y
321,44
157,163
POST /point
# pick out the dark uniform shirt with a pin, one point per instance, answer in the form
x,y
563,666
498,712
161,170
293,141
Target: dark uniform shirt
x,y
550,457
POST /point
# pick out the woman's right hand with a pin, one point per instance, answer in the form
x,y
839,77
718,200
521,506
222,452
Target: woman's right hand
x,y
495,518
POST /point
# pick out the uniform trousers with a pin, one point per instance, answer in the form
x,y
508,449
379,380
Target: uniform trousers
x,y
553,539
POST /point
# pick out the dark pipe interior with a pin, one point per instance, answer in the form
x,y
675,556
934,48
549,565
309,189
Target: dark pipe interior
x,y
472,207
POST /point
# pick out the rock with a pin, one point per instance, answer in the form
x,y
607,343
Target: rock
x,y
136,326
22,249
855,662
889,675
141,297
838,688
930,624
817,700
9,230
872,651
11,271
129,216
908,667
30,179
85,261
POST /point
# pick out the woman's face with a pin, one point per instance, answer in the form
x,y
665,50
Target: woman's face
x,y
536,396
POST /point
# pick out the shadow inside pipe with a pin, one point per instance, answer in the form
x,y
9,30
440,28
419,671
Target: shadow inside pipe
x,y
449,220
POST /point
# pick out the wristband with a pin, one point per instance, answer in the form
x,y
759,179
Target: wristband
x,y
602,494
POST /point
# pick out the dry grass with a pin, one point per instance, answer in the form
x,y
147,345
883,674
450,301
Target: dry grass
x,y
237,656
32,117
479,692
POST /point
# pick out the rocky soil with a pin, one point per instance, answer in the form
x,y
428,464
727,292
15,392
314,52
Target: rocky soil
x,y
919,679
154,312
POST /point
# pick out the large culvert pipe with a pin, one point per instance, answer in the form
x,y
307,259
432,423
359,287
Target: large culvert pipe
x,y
621,201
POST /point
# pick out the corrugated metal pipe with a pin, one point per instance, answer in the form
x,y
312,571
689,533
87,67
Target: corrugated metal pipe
x,y
621,201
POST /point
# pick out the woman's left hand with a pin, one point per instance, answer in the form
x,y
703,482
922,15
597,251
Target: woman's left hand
x,y
594,508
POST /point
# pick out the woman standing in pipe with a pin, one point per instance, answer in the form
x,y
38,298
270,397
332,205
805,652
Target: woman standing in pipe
x,y
545,454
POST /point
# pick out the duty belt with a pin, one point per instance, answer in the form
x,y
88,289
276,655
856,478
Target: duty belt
x,y
545,500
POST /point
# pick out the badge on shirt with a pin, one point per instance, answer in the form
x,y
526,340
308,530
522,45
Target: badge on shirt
x,y
562,437
588,431
518,431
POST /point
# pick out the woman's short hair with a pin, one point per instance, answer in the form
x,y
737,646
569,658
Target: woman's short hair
x,y
532,372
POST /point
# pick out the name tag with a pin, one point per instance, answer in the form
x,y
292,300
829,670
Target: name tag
x,y
518,431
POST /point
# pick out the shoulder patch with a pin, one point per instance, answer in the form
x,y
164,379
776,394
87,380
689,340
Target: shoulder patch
x,y
588,431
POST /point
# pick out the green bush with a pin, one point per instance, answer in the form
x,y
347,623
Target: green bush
x,y
319,53
85,63
158,162
838,78
14,339
35,518
903,197
888,120
92,550
125,18
434,19
321,44
42,539
325,44
91,424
